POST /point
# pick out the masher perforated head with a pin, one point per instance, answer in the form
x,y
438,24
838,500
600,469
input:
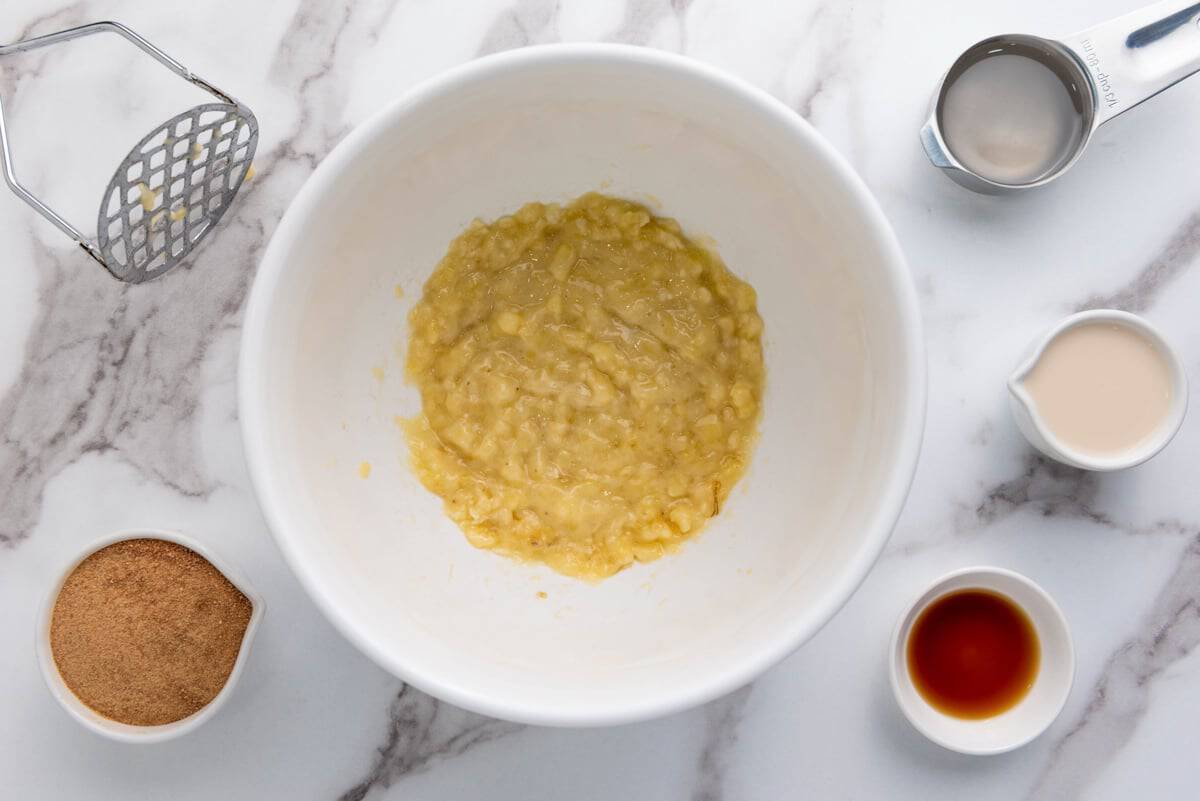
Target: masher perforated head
x,y
172,189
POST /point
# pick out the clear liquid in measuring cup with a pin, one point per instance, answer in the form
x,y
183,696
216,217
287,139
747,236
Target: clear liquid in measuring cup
x,y
1010,115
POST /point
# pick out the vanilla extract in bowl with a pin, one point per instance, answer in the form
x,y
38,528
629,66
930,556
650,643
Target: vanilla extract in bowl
x,y
973,653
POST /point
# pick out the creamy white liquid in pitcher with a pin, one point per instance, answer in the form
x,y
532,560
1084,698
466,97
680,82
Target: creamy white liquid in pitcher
x,y
1102,388
1010,118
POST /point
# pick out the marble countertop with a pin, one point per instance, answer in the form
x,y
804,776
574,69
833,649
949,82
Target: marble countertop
x,y
117,409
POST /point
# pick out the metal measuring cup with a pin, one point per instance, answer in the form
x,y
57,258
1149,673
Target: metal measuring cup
x,y
1103,71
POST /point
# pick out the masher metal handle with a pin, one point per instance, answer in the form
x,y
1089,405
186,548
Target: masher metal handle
x,y
106,26
1136,56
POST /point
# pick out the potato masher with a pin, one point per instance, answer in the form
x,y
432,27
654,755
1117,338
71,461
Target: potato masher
x,y
174,185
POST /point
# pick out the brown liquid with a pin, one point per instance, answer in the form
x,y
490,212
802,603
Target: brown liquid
x,y
973,654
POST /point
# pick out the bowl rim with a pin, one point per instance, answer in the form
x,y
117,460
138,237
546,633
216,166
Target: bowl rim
x,y
691,693
115,729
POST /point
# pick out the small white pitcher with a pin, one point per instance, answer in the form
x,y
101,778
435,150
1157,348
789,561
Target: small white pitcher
x,y
1030,422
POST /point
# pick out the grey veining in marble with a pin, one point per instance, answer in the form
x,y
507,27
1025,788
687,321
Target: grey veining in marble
x,y
1120,698
113,368
118,408
421,730
1169,264
721,721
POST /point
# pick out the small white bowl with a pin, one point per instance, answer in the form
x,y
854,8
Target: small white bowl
x,y
124,731
1034,713
1041,437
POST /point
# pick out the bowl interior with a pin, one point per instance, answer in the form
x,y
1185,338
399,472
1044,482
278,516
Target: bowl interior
x,y
322,384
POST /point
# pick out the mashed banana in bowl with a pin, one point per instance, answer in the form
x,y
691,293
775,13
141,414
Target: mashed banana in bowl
x,y
591,382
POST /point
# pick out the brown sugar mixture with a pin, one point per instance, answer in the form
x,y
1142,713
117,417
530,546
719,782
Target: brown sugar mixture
x,y
146,631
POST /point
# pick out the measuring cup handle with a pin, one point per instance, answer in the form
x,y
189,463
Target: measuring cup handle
x,y
1134,57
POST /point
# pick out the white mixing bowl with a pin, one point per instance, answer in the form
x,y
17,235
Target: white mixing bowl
x,y
843,411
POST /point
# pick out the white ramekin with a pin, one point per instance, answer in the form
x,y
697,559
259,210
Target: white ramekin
x,y
125,732
1033,714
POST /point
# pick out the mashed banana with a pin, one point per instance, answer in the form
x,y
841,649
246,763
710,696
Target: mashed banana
x,y
591,383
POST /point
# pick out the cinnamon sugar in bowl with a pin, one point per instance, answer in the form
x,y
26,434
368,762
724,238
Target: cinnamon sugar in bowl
x,y
144,635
